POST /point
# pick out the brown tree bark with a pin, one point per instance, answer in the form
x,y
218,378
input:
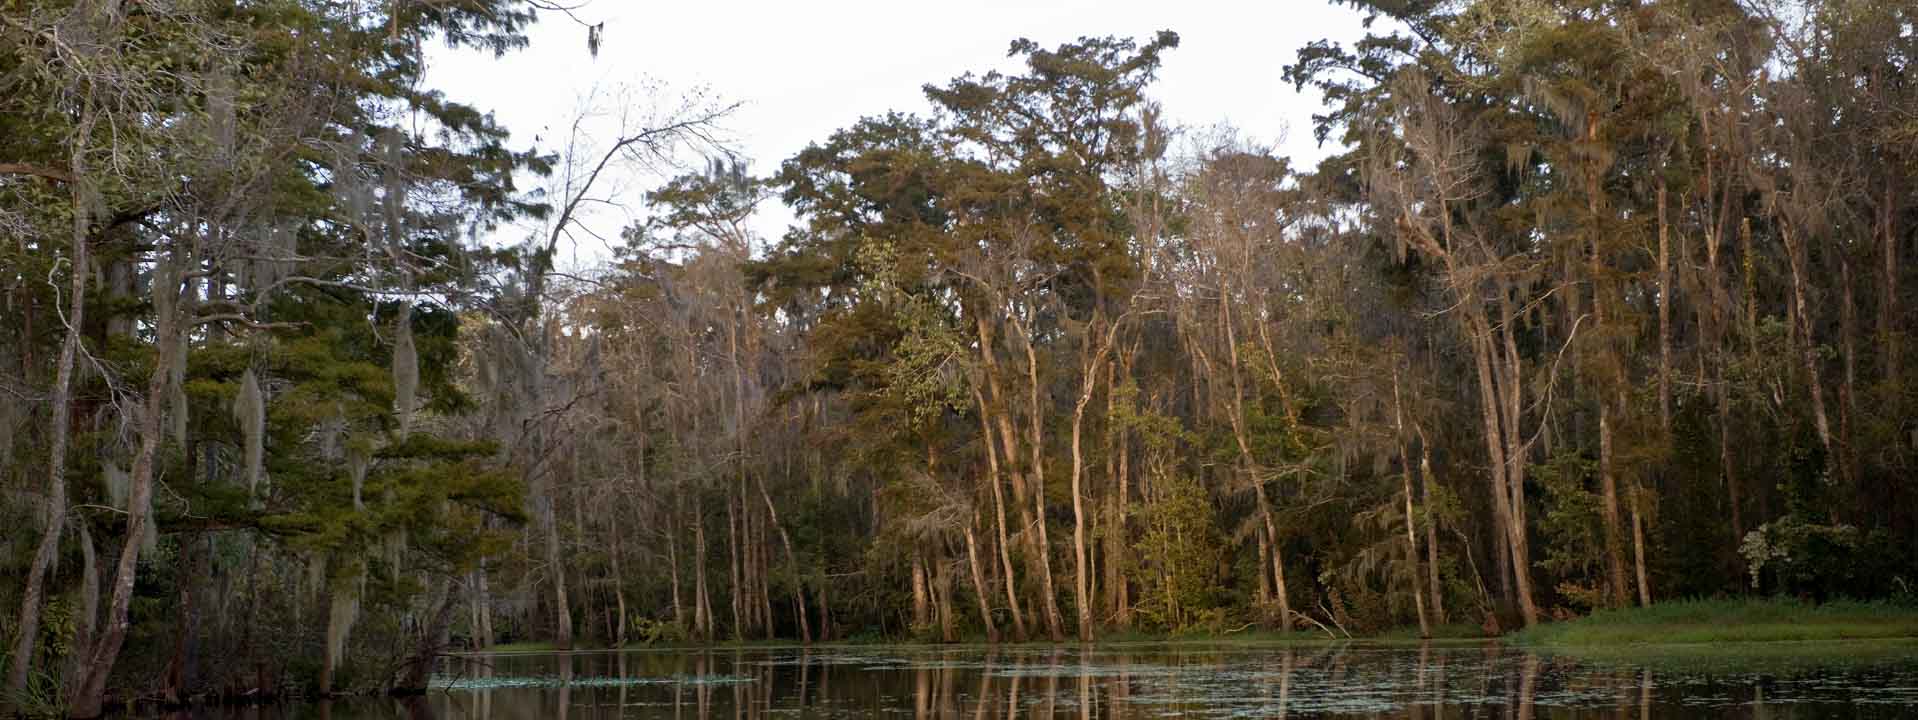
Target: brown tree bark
x,y
618,542
792,564
1848,383
979,585
733,594
1055,624
1807,344
1031,509
921,601
1123,540
1664,317
999,510
1638,547
1515,456
1889,334
1100,342
1614,540
1411,516
1431,523
1248,466
672,559
60,402
87,699
702,600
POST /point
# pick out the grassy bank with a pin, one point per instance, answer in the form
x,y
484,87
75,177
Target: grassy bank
x,y
1729,621
1455,633
1675,622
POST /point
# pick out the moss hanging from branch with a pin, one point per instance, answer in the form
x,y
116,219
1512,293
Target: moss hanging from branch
x,y
249,410
343,612
357,462
117,482
393,200
406,369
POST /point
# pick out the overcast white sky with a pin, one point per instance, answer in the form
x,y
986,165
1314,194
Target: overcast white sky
x,y
805,69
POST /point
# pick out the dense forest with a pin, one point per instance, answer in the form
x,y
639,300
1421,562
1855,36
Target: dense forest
x,y
1596,303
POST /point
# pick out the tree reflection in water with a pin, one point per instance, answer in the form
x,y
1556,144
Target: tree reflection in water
x,y
1433,682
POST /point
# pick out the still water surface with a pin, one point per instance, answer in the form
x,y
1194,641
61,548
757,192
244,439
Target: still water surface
x,y
1352,681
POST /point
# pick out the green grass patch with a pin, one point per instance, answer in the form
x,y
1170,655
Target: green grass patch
x,y
519,647
1729,621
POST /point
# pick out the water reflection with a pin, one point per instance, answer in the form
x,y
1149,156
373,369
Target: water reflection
x,y
1430,682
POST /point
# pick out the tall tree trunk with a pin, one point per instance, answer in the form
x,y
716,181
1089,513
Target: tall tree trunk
x,y
1609,375
1750,273
732,564
1847,388
1038,555
921,614
792,563
1269,549
1494,448
672,559
60,402
1638,547
88,698
1114,507
999,509
1515,456
1123,537
765,580
1807,344
618,541
1664,317
941,578
998,505
584,583
1889,335
1711,314
1614,526
979,586
562,608
1431,523
1411,516
702,600
1055,624
1510,526
191,563
1088,384
825,611
84,628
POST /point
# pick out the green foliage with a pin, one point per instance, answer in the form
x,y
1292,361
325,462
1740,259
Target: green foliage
x,y
1573,530
654,632
1178,550
1793,556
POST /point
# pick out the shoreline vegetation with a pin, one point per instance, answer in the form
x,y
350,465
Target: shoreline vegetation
x,y
1668,624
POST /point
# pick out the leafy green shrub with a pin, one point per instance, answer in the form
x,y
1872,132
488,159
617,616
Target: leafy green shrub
x,y
653,632
1818,560
1179,551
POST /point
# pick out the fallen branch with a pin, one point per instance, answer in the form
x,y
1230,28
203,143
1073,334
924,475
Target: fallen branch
x,y
1308,618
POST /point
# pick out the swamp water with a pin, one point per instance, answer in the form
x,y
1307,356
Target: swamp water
x,y
1795,680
